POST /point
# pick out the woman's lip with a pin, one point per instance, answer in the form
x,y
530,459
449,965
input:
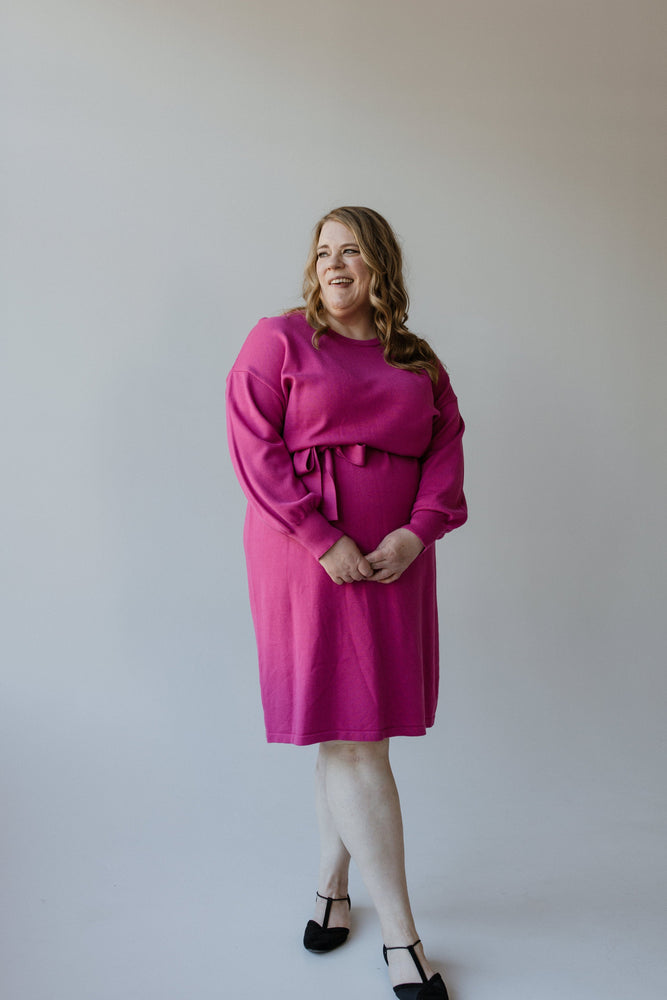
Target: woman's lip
x,y
340,281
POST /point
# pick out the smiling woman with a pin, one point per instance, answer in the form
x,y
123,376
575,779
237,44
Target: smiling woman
x,y
345,434
372,236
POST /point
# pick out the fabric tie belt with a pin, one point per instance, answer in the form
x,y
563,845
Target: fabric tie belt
x,y
315,467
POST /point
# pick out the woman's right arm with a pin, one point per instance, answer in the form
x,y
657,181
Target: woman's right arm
x,y
256,407
263,464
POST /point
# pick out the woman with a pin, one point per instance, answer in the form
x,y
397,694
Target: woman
x,y
345,434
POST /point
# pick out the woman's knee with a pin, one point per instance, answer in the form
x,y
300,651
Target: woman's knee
x,y
355,752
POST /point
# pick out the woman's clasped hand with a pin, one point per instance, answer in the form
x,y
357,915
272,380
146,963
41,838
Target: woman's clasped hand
x,y
345,563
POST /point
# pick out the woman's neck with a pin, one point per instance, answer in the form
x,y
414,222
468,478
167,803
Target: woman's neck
x,y
361,329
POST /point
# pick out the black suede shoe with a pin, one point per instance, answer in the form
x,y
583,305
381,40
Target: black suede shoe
x,y
324,938
429,989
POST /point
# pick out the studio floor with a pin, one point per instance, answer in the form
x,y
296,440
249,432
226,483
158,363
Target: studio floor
x,y
181,884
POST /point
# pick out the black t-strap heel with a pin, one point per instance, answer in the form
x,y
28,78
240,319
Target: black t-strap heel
x,y
429,989
321,938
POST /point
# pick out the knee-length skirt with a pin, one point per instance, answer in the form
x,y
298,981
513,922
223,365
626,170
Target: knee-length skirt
x,y
355,661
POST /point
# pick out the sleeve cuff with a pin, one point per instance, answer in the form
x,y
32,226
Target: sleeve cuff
x,y
428,526
317,534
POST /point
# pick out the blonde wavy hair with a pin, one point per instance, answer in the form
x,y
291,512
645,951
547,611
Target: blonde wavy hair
x,y
381,253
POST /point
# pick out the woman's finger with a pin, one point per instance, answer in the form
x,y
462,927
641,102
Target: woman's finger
x,y
383,575
375,556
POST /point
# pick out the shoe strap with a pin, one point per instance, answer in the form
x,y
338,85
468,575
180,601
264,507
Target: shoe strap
x,y
330,900
413,955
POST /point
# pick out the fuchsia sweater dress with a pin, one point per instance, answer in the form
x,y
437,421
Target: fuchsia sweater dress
x,y
334,442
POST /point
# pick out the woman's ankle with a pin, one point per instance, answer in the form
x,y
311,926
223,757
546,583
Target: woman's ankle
x,y
402,966
338,908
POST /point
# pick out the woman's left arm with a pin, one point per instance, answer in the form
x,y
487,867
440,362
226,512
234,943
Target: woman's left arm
x,y
440,504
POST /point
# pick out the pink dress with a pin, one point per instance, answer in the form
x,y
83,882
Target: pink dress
x,y
330,442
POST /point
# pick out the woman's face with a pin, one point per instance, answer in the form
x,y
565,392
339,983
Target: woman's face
x,y
343,276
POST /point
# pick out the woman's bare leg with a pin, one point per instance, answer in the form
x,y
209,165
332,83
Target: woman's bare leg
x,y
362,800
334,859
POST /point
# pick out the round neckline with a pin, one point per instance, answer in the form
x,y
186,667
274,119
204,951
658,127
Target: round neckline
x,y
371,342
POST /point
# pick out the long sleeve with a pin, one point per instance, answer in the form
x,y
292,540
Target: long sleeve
x,y
440,504
263,464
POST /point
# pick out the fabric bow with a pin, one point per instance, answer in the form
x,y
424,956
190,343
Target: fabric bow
x,y
315,467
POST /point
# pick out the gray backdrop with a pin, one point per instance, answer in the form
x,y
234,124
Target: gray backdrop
x,y
164,166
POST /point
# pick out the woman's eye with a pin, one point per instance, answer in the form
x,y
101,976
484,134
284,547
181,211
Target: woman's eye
x,y
350,250
321,253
